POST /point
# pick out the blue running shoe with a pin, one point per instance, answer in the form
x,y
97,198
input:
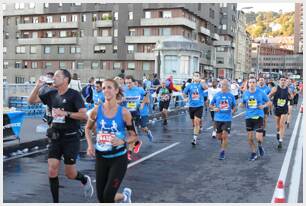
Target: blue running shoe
x,y
127,193
222,155
150,136
253,156
261,151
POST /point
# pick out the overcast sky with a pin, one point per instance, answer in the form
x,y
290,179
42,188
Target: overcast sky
x,y
286,7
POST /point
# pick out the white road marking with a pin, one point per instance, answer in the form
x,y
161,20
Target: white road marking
x,y
286,162
296,171
152,155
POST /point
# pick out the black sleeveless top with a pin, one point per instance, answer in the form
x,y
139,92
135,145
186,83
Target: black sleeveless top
x,y
281,98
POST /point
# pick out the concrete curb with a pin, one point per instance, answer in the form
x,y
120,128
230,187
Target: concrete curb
x,y
42,143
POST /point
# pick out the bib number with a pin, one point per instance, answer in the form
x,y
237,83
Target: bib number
x,y
281,102
59,120
104,141
252,104
131,105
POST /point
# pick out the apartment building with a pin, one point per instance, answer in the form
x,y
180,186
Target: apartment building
x,y
101,39
298,28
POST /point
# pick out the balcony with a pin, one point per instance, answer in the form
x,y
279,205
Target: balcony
x,y
216,36
223,43
40,26
144,56
205,31
144,39
38,41
104,23
104,39
168,22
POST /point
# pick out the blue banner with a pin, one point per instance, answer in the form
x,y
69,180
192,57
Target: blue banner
x,y
12,122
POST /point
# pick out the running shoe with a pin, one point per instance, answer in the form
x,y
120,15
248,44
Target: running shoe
x,y
277,136
253,156
129,156
88,189
222,155
194,141
150,136
213,135
279,146
137,146
127,193
261,151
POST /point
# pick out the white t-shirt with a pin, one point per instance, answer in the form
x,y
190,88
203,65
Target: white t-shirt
x,y
76,85
212,92
235,89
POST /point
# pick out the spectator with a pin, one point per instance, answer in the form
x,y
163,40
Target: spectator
x,y
87,91
75,83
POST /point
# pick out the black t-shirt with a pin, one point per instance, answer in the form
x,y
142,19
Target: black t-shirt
x,y
71,101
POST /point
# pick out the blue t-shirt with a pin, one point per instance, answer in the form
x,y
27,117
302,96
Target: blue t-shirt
x,y
292,88
98,97
195,93
145,110
265,89
133,97
225,102
205,93
252,101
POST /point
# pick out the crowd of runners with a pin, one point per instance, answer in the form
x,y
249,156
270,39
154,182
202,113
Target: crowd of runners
x,y
121,106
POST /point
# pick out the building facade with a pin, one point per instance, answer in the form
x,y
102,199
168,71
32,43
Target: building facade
x,y
298,28
101,39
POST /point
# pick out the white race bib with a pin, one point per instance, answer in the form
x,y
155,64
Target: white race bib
x,y
58,119
104,141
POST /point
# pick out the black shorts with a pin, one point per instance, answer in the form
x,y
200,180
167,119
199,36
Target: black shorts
x,y
254,124
164,105
67,146
296,99
136,117
196,111
291,102
266,110
280,111
223,126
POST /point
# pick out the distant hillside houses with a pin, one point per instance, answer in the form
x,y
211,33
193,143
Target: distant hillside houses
x,y
284,42
275,26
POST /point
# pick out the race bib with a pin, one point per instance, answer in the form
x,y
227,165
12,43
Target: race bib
x,y
281,102
131,105
104,141
252,103
165,97
224,105
59,120
195,96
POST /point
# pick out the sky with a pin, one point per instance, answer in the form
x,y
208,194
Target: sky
x,y
286,7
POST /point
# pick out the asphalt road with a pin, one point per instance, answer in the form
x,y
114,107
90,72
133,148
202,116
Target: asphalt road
x,y
179,173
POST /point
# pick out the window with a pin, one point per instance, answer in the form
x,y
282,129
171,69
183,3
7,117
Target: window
x,y
82,32
33,50
131,16
48,65
94,17
99,49
146,66
171,64
35,19
95,32
20,50
63,18
49,19
17,20
184,66
77,4
34,65
220,60
62,65
147,15
47,50
224,26
4,50
147,32
49,34
195,63
132,32
63,33
80,65
32,5
199,6
5,65
18,65
74,18
60,4
6,35
167,14
115,49
117,65
95,65
83,17
116,16
19,5
131,65
46,5
220,49
130,49
26,19
19,80
115,32
61,50
75,50
105,32
211,13
105,16
34,34
164,31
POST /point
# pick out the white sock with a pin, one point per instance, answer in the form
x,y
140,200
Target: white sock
x,y
280,140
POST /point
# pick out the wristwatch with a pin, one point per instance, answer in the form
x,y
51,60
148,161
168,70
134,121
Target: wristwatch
x,y
68,114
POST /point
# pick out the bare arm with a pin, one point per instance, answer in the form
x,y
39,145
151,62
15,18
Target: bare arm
x,y
34,98
272,93
89,126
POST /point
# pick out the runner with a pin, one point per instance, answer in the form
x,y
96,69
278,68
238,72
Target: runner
x,y
281,96
98,96
223,103
265,89
212,91
67,109
254,100
164,96
292,90
195,92
110,147
144,116
131,100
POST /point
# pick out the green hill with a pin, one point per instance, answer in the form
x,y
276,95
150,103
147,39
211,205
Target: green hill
x,y
258,23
